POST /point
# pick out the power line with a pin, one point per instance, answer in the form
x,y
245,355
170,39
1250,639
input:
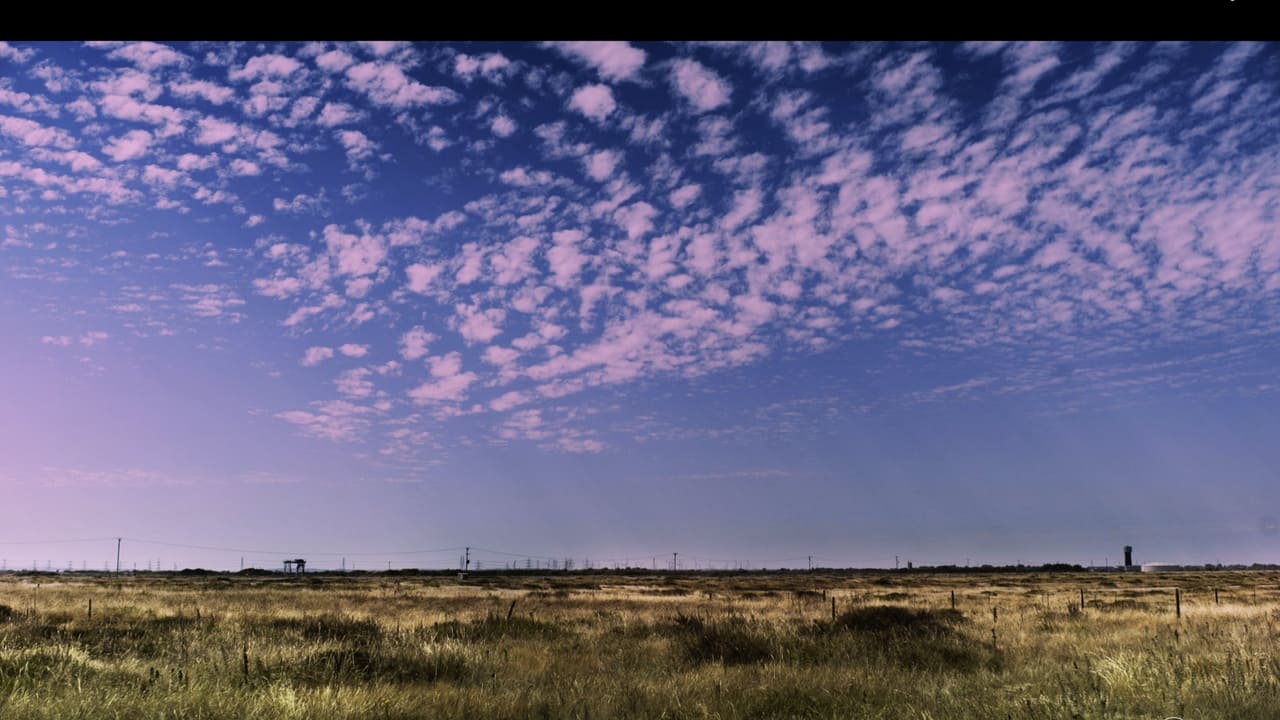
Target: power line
x,y
550,559
56,542
292,552
519,555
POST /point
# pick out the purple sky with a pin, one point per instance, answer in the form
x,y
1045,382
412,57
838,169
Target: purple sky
x,y
747,302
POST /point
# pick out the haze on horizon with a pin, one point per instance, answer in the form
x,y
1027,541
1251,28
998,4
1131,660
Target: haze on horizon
x,y
750,302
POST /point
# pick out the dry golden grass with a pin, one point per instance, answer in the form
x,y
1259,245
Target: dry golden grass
x,y
645,646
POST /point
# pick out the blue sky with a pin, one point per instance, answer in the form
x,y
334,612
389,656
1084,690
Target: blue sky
x,y
749,302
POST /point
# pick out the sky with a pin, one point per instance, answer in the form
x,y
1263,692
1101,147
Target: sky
x,y
372,303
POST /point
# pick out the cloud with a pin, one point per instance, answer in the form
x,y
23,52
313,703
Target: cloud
x,y
203,89
700,86
382,48
262,477
316,355
334,61
414,342
149,56
636,219
334,114
76,160
448,384
421,276
593,101
356,382
566,258
191,161
301,203
515,261
579,445
355,255
601,164
357,145
1068,207
386,84
495,355
684,195
353,350
523,177
476,325
614,60
243,167
277,287
503,126
211,300
337,420
93,337
508,400
269,66
414,230
551,434
33,134
74,477
302,313
215,131
26,103
494,67
17,55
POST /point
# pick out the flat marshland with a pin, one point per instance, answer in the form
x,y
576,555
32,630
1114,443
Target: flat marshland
x,y
597,645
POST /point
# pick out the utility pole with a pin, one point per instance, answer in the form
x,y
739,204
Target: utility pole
x,y
118,555
895,562
810,562
467,564
675,562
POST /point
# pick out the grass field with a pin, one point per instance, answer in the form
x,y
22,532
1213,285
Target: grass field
x,y
642,646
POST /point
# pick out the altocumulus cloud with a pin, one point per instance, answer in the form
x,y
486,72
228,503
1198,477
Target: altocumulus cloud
x,y
677,210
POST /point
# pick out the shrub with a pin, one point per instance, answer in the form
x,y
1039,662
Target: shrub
x,y
914,639
897,619
356,665
732,641
495,627
320,627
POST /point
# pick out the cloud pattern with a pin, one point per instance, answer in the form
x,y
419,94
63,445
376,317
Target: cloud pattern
x,y
498,232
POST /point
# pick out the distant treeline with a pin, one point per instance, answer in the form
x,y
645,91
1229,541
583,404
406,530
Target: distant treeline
x,y
639,572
